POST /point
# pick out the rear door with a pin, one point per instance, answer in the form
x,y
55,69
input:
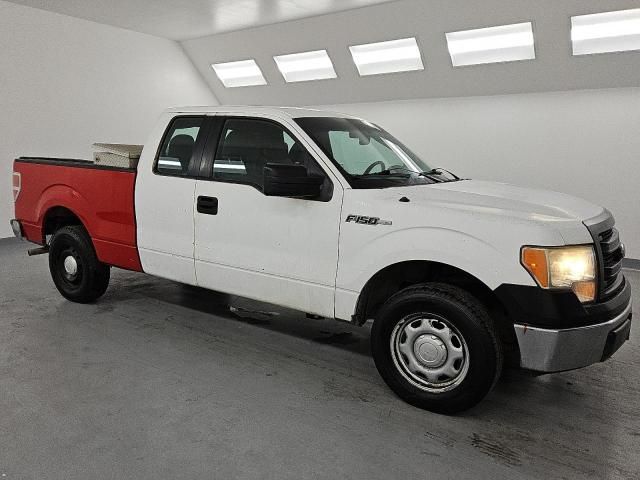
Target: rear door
x,y
165,191
273,249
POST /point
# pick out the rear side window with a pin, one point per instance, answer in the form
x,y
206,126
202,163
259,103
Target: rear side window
x,y
177,148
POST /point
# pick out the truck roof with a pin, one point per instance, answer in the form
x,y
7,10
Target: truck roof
x,y
291,112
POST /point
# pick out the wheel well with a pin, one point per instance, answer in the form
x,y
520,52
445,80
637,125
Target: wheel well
x,y
396,277
56,218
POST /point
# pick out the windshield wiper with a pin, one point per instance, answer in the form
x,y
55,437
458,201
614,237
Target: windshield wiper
x,y
430,174
393,168
389,170
439,170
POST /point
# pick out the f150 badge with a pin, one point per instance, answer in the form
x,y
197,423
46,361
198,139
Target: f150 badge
x,y
364,220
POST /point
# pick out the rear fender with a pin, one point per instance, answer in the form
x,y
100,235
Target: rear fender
x,y
66,197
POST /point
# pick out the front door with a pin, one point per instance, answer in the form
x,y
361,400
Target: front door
x,y
273,249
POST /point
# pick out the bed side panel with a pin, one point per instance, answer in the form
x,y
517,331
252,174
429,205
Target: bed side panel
x,y
103,199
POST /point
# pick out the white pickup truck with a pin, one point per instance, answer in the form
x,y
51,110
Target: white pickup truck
x,y
331,215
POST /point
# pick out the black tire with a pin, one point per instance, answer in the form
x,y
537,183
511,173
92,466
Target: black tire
x,y
91,278
424,307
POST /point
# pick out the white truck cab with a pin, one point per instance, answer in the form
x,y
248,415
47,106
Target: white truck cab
x,y
331,215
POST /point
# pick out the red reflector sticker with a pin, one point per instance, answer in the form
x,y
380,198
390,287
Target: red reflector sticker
x,y
17,185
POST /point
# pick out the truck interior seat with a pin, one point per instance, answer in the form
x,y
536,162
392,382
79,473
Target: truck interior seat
x,y
181,147
300,156
256,147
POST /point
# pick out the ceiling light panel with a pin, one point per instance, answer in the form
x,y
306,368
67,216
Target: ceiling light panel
x,y
506,43
245,73
606,32
302,67
387,57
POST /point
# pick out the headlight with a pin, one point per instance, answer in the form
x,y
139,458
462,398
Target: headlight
x,y
563,267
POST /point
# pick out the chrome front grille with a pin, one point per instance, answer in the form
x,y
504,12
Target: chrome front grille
x,y
611,255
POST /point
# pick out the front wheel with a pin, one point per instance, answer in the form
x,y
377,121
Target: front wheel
x,y
436,347
75,269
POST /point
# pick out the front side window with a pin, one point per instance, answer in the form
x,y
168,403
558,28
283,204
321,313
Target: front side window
x,y
368,156
178,146
247,145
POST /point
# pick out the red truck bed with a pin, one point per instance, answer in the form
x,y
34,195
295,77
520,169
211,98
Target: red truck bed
x,y
101,197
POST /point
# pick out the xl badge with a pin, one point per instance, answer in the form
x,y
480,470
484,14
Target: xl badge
x,y
364,220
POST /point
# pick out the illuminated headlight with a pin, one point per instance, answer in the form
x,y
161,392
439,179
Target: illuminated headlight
x,y
563,267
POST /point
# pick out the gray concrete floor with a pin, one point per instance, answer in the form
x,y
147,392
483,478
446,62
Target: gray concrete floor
x,y
162,381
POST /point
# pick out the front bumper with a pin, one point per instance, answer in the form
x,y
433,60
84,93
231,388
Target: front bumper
x,y
555,332
548,350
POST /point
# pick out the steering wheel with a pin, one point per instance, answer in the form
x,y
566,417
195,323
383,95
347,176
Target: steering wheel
x,y
374,165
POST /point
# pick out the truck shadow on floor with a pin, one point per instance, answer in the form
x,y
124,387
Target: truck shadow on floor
x,y
128,285
347,337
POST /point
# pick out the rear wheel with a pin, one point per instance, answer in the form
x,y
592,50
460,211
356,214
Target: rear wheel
x,y
74,266
436,347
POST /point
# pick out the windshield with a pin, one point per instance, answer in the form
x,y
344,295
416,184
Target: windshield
x,y
368,156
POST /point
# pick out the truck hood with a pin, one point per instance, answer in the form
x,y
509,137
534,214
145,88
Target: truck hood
x,y
548,210
532,203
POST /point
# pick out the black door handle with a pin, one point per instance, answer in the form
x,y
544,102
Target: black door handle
x,y
207,205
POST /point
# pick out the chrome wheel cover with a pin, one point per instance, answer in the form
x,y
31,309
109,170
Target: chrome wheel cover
x,y
429,352
70,266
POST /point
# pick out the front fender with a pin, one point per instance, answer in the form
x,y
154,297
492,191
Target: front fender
x,y
360,260
458,249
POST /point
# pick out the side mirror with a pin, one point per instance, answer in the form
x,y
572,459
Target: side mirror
x,y
282,180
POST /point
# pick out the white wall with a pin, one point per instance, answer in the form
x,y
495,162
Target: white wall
x,y
66,83
586,143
